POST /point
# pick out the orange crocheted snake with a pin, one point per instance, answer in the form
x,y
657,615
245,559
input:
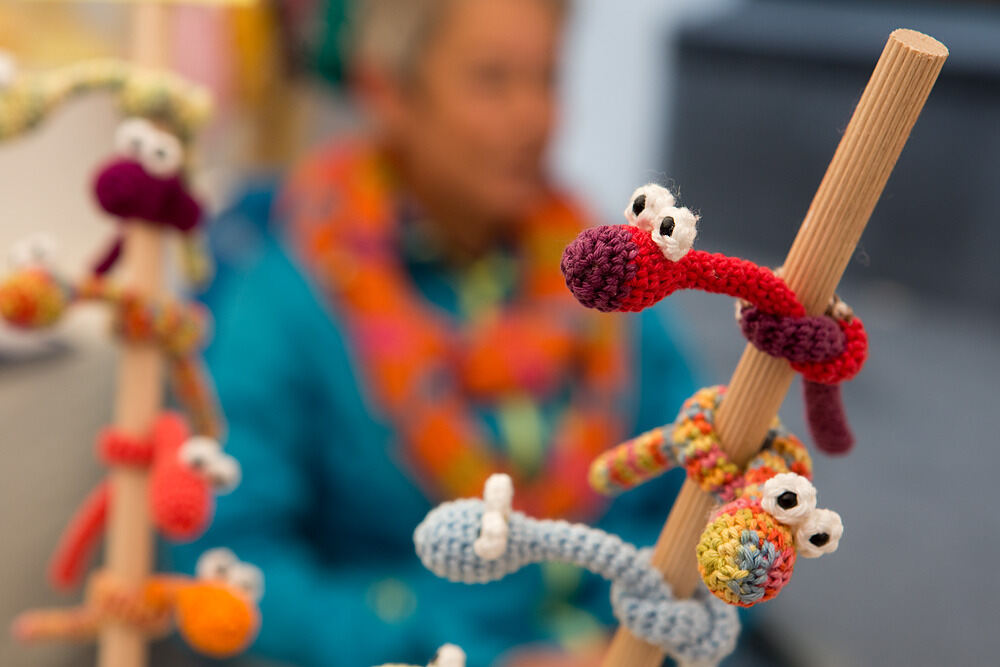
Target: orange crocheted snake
x,y
216,613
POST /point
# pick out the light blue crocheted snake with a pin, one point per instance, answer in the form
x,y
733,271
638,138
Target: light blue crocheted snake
x,y
700,630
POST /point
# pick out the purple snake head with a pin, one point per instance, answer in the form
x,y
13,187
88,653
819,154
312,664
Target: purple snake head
x,y
145,181
631,267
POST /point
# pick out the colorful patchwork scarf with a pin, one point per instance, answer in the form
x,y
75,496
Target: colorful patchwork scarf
x,y
430,374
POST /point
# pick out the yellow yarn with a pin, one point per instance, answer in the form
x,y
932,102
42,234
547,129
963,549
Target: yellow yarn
x,y
155,94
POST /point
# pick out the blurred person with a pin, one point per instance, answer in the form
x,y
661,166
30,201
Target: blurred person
x,y
392,327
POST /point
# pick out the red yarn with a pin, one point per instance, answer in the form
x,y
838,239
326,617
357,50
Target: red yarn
x,y
181,500
117,448
657,277
79,540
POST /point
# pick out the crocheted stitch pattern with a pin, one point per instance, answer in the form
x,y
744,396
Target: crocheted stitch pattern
x,y
747,551
692,443
159,94
698,629
34,297
631,267
216,613
185,474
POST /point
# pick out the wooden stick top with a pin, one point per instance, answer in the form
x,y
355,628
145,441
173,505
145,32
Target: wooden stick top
x,y
919,42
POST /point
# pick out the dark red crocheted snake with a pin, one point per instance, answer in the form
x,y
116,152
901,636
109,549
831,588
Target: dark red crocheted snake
x,y
127,191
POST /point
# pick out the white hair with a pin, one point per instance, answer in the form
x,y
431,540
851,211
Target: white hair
x,y
392,35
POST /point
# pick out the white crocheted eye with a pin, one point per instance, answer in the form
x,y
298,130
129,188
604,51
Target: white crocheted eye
x,y
223,473
448,655
248,579
646,204
788,497
674,232
215,564
162,154
132,137
35,250
197,452
819,534
652,208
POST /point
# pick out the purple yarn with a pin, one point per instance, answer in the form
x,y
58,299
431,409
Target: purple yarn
x,y
797,339
806,339
110,257
827,418
598,266
126,190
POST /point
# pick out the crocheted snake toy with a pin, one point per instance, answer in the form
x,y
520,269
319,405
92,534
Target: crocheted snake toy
x,y
748,548
481,540
34,297
185,474
216,612
631,267
147,180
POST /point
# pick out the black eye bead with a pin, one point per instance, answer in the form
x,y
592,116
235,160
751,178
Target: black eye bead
x,y
639,205
667,226
820,539
788,500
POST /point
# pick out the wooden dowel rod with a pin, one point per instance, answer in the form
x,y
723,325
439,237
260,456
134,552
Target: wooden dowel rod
x,y
874,138
139,398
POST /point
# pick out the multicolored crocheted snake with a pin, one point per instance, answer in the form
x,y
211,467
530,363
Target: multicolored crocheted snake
x,y
631,267
216,612
748,548
34,297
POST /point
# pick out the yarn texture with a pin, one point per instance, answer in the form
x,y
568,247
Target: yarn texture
x,y
631,267
30,97
34,297
215,616
747,551
699,629
826,350
181,492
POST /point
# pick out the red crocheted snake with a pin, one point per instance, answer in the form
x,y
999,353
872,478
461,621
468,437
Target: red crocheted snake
x,y
629,268
181,495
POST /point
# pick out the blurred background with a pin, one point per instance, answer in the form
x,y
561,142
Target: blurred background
x,y
739,105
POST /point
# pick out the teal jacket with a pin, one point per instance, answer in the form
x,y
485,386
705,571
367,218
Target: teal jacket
x,y
325,511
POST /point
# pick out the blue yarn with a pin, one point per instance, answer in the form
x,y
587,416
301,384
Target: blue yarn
x,y
703,629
